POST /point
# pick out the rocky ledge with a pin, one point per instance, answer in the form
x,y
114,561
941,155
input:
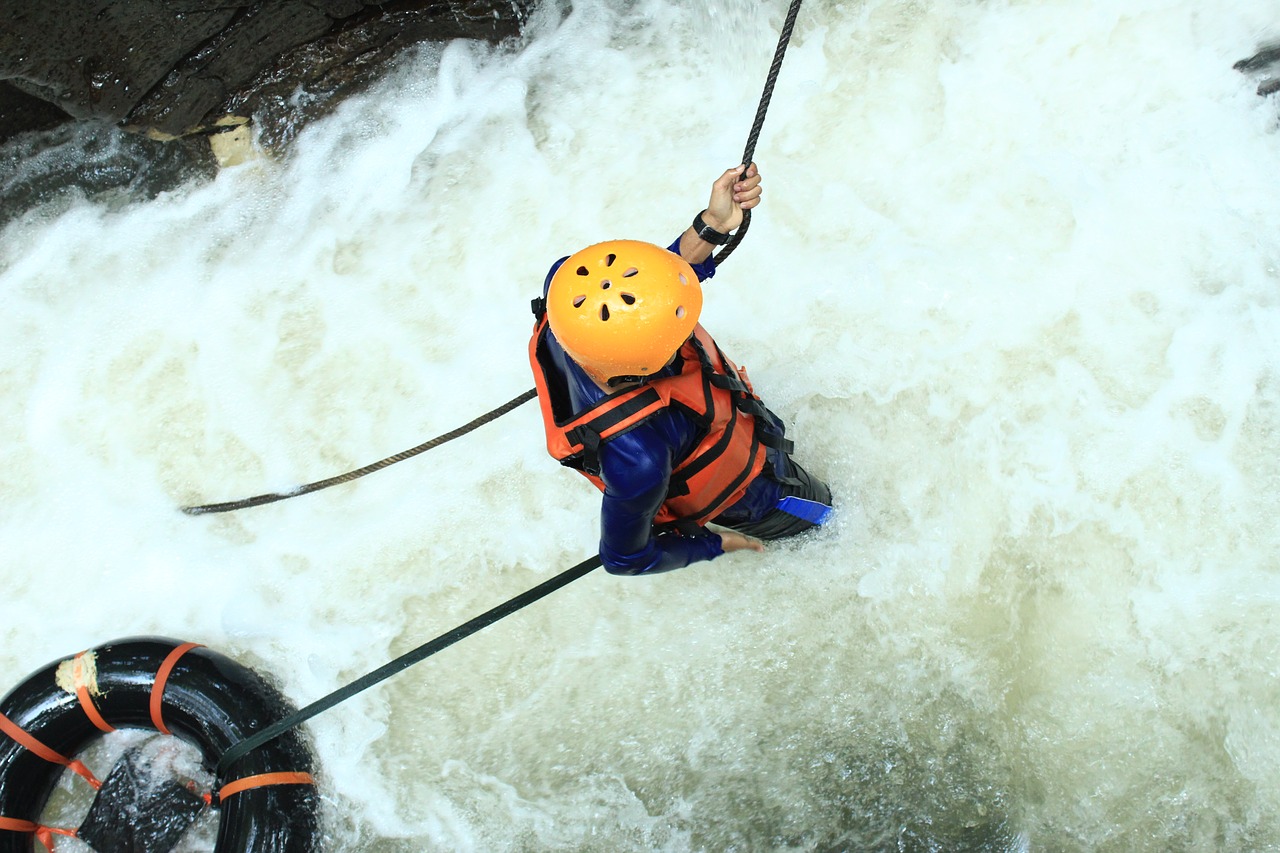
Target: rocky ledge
x,y
171,68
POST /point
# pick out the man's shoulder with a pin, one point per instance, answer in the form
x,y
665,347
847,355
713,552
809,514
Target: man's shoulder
x,y
641,457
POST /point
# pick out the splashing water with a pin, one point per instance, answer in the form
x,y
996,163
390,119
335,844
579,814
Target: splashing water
x,y
1014,285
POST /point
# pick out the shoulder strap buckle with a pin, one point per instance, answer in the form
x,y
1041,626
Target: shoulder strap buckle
x,y
590,441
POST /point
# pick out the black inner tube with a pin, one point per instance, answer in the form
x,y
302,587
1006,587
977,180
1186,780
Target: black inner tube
x,y
209,700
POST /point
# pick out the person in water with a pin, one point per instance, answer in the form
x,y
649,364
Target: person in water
x,y
637,396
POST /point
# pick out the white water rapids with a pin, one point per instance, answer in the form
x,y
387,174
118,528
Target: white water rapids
x,y
1013,287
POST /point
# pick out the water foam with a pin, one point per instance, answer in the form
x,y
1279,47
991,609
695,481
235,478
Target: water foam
x,y
1014,285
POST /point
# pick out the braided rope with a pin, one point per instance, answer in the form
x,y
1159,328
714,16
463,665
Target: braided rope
x,y
749,153
272,497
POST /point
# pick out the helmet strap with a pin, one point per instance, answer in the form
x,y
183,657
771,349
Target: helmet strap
x,y
619,381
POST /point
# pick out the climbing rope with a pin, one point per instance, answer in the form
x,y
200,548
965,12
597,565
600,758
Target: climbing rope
x,y
272,497
749,153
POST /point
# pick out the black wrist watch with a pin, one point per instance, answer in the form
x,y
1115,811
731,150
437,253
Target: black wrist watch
x,y
707,233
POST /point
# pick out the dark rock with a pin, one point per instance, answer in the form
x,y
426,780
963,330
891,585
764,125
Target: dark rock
x,y
174,67
1265,64
97,58
20,112
306,81
94,160
1264,57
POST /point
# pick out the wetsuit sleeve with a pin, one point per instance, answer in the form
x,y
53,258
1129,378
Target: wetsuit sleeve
x,y
704,270
635,485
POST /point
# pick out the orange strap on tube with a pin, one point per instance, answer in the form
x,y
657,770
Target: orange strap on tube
x,y
44,834
263,780
86,699
162,679
27,741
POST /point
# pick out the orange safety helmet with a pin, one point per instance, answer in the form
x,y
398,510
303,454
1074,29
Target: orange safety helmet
x,y
623,308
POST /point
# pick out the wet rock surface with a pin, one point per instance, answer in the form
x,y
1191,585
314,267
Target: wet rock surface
x,y
170,68
75,160
21,112
1265,67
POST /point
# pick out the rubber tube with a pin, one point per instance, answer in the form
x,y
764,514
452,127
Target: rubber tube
x,y
209,700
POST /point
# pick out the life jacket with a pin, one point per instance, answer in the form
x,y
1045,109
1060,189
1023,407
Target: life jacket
x,y
727,455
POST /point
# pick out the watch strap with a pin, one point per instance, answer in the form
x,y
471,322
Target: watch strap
x,y
707,233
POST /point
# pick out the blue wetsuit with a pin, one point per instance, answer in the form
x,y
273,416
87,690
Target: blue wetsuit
x,y
636,467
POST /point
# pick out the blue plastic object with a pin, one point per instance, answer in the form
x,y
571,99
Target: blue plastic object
x,y
811,511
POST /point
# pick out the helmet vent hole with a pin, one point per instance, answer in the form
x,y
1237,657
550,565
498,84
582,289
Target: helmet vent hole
x,y
680,313
605,284
578,300
684,279
604,312
629,299
583,271
630,272
609,259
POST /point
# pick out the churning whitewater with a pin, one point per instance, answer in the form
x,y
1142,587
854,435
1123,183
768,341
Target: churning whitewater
x,y
1014,287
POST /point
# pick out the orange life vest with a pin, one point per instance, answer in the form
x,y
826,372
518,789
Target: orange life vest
x,y
714,392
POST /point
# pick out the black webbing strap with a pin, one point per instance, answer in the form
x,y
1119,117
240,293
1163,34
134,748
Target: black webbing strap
x,y
426,650
589,457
